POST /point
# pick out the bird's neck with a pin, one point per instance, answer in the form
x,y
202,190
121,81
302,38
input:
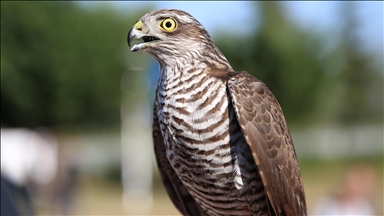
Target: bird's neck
x,y
197,58
180,71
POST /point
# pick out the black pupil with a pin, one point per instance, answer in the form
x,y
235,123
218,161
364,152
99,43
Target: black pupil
x,y
168,24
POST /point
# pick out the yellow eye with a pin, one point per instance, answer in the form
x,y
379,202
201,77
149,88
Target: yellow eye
x,y
168,25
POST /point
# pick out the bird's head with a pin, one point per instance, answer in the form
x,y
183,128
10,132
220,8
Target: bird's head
x,y
171,33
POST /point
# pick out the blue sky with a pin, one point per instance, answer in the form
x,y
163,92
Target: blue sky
x,y
317,16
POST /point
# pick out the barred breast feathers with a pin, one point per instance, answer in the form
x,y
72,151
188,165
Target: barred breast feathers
x,y
204,104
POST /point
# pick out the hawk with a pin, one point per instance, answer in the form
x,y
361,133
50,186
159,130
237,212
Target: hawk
x,y
221,141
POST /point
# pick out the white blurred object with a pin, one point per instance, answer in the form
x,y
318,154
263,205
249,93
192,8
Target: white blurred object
x,y
28,155
331,206
351,196
137,150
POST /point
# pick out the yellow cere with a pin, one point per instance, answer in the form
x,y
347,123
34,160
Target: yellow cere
x,y
138,25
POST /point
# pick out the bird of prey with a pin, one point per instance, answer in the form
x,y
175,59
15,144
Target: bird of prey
x,y
221,141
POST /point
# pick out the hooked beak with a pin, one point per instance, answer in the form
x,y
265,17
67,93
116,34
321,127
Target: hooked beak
x,y
136,33
130,37
133,34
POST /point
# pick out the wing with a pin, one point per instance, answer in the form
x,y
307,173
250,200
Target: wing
x,y
173,185
265,130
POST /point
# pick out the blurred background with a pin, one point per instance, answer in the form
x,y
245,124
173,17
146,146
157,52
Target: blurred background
x,y
76,104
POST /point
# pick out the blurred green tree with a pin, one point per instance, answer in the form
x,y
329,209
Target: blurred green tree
x,y
314,80
361,83
284,58
61,64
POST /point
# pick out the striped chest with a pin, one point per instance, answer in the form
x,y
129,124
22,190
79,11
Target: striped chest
x,y
195,128
204,143
194,118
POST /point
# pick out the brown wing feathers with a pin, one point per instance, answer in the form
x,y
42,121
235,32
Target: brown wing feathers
x,y
264,127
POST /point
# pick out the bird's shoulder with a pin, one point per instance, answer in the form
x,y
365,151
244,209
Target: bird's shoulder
x,y
226,74
238,78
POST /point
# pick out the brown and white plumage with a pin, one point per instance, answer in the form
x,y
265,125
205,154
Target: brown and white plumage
x,y
221,141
